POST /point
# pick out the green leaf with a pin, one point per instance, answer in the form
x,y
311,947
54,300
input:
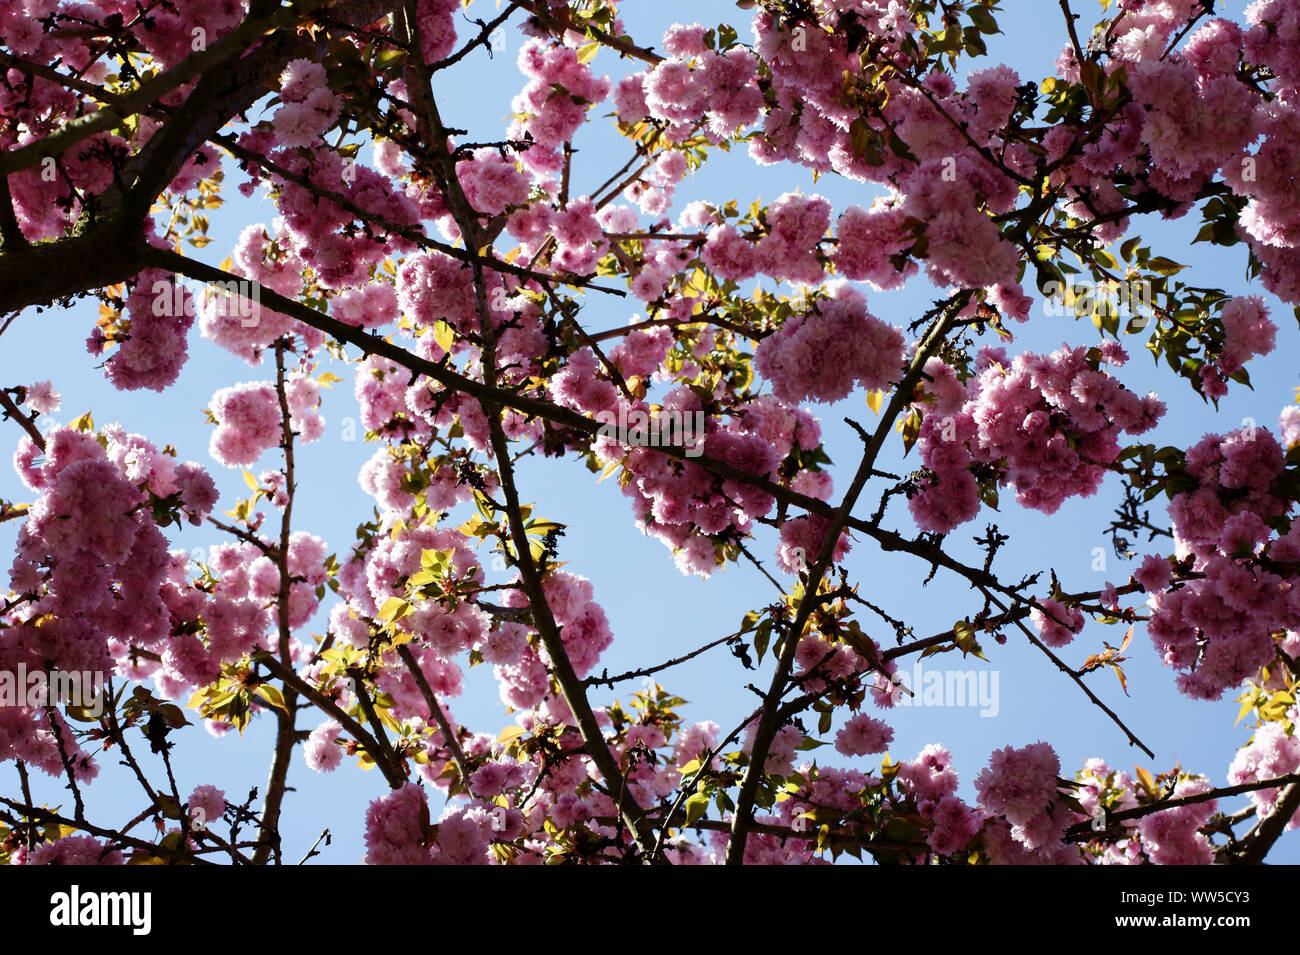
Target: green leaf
x,y
82,714
443,335
983,20
696,806
973,42
762,637
272,695
540,528
389,59
1145,778
911,429
173,714
1162,266
420,579
864,142
168,805
509,733
394,609
436,561
1105,258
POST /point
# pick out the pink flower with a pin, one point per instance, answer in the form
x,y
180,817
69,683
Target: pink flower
x,y
74,850
248,422
729,254
197,490
684,41
863,734
780,755
1247,332
207,804
491,182
629,99
952,500
955,824
395,828
1020,784
1271,753
322,751
156,349
1289,425
301,78
461,840
553,116
1057,624
802,539
674,92
868,241
42,397
301,124
822,354
1172,837
930,776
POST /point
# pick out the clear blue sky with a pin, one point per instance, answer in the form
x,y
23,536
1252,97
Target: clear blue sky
x,y
655,612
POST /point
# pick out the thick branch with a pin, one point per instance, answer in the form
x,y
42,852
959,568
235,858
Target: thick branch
x,y
1084,830
1268,830
230,46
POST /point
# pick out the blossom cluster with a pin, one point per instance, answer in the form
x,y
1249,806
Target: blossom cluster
x,y
1047,425
1218,625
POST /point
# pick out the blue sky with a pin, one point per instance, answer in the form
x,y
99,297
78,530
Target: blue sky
x,y
654,611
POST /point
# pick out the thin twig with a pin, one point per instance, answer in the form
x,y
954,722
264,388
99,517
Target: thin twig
x,y
435,710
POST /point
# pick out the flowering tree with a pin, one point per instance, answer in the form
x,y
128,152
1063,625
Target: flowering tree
x,y
453,272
